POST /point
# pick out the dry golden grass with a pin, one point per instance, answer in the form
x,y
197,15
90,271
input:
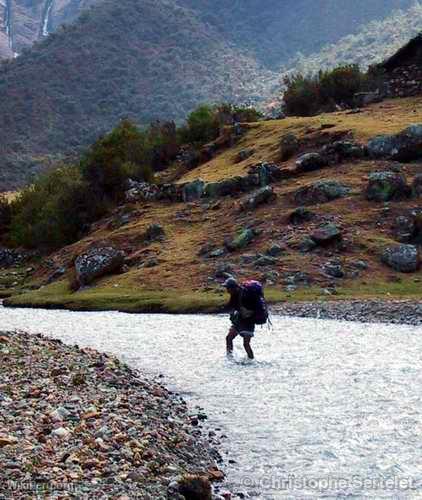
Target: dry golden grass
x,y
387,117
367,228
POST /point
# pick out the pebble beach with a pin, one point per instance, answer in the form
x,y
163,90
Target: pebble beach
x,y
76,423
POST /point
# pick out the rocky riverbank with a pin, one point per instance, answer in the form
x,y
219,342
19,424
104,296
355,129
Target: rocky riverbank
x,y
75,423
370,311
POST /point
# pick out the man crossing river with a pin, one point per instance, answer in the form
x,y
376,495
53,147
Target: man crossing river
x,y
247,308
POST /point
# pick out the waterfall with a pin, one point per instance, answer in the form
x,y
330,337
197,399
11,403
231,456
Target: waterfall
x,y
46,18
7,22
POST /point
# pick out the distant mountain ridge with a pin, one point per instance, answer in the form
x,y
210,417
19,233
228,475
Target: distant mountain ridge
x,y
146,59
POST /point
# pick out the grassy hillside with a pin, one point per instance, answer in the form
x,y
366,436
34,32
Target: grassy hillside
x,y
180,278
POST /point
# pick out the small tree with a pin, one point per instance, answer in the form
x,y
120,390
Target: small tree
x,y
302,95
5,215
202,126
102,165
341,84
53,211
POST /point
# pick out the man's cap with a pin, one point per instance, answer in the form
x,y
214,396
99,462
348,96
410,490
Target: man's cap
x,y
230,283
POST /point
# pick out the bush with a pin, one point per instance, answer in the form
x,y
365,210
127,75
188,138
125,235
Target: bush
x,y
246,114
5,215
310,95
202,126
103,166
53,211
341,84
301,97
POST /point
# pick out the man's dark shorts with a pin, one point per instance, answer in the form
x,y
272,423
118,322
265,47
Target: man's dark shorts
x,y
244,327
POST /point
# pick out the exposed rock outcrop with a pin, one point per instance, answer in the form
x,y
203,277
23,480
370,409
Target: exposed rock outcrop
x,y
259,197
402,258
326,234
405,146
96,263
321,192
310,162
241,240
386,186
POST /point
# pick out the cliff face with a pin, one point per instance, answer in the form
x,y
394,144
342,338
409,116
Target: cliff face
x,y
23,22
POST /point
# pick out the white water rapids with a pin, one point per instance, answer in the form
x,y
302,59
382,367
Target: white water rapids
x,y
329,409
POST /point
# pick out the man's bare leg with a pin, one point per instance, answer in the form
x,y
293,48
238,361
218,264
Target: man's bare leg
x,y
229,340
247,346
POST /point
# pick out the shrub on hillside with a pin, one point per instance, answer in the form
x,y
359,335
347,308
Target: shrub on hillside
x,y
53,211
103,166
161,144
301,97
5,215
341,84
309,95
202,126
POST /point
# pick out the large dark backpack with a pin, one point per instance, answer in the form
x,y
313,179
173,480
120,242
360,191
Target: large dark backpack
x,y
254,299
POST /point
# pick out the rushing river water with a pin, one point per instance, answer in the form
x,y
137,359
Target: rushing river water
x,y
328,409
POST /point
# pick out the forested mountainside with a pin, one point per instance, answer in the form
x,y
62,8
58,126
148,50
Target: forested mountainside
x,y
276,30
25,21
372,44
146,59
143,60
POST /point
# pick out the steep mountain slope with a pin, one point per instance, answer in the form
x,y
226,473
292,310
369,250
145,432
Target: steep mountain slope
x,y
372,44
275,30
144,60
24,22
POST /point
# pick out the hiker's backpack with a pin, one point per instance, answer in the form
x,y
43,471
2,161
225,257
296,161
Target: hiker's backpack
x,y
254,297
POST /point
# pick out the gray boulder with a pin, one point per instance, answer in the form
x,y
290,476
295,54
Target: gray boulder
x,y
259,197
334,270
298,278
404,228
310,162
265,260
289,146
275,251
307,244
193,190
362,99
326,234
300,215
96,263
407,228
402,258
244,154
320,192
241,240
155,232
386,186
405,146
417,186
339,150
224,270
225,187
